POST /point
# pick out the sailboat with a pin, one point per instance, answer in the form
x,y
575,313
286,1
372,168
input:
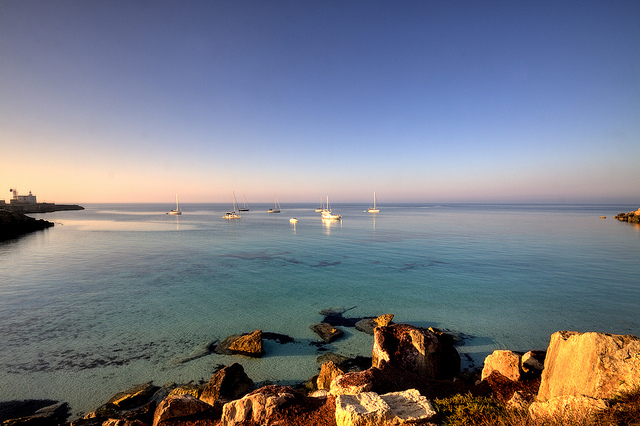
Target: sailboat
x,y
233,214
276,207
326,213
177,211
321,208
373,209
245,208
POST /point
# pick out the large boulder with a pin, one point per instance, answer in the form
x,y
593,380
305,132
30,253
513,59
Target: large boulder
x,y
596,365
369,408
178,406
504,362
428,353
227,384
246,344
257,407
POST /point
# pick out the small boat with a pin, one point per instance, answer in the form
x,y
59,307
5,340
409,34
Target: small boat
x,y
328,215
293,220
373,209
321,208
245,208
233,214
177,211
276,207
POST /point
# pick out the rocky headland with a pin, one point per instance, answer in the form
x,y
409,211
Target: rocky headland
x,y
631,217
40,207
412,377
13,224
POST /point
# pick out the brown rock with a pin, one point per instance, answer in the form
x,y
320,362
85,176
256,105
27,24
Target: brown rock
x,y
327,332
256,407
248,344
416,350
596,365
227,384
133,397
178,406
506,363
328,372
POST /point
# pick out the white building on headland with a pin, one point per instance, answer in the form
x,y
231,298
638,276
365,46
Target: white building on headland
x,y
22,199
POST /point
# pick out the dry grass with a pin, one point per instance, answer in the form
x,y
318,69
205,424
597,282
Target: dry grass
x,y
468,410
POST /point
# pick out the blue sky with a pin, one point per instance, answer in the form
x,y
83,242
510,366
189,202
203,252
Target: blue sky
x,y
421,101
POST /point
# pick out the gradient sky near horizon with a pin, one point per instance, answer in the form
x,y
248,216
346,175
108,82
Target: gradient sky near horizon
x,y
421,101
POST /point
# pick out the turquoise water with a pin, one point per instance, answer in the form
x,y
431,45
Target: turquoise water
x,y
116,295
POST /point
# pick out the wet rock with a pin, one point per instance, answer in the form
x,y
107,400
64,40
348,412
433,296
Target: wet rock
x,y
327,332
133,397
246,344
227,384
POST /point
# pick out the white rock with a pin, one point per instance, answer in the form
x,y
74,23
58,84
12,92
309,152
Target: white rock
x,y
409,406
363,409
506,363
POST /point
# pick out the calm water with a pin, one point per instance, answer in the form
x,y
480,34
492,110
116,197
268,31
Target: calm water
x,y
116,295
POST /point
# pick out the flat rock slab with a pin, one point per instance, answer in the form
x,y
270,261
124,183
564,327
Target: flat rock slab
x,y
369,408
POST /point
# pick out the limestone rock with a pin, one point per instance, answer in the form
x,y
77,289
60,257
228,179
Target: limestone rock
x,y
328,372
596,365
327,332
178,406
409,406
256,407
352,383
134,396
417,350
568,409
227,384
249,345
506,363
369,408
364,409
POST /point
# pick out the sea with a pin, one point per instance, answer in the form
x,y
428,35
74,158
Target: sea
x,y
121,294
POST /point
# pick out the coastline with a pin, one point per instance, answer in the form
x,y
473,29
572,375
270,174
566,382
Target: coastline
x,y
14,224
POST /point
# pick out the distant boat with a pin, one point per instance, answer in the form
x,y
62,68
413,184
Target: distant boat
x,y
321,208
245,208
177,211
276,207
293,220
328,215
373,209
233,214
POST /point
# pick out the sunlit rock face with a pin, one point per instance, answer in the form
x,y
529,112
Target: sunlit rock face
x,y
596,365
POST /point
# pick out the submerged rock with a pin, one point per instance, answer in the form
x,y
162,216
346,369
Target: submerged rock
x,y
246,344
327,332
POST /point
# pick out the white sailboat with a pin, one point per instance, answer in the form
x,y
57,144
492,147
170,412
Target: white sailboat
x,y
321,208
276,207
328,215
177,211
245,208
373,209
233,214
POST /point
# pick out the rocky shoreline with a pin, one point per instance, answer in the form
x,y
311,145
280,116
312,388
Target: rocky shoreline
x,y
631,217
411,369
14,224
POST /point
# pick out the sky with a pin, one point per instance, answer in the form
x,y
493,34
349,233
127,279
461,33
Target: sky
x,y
420,101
